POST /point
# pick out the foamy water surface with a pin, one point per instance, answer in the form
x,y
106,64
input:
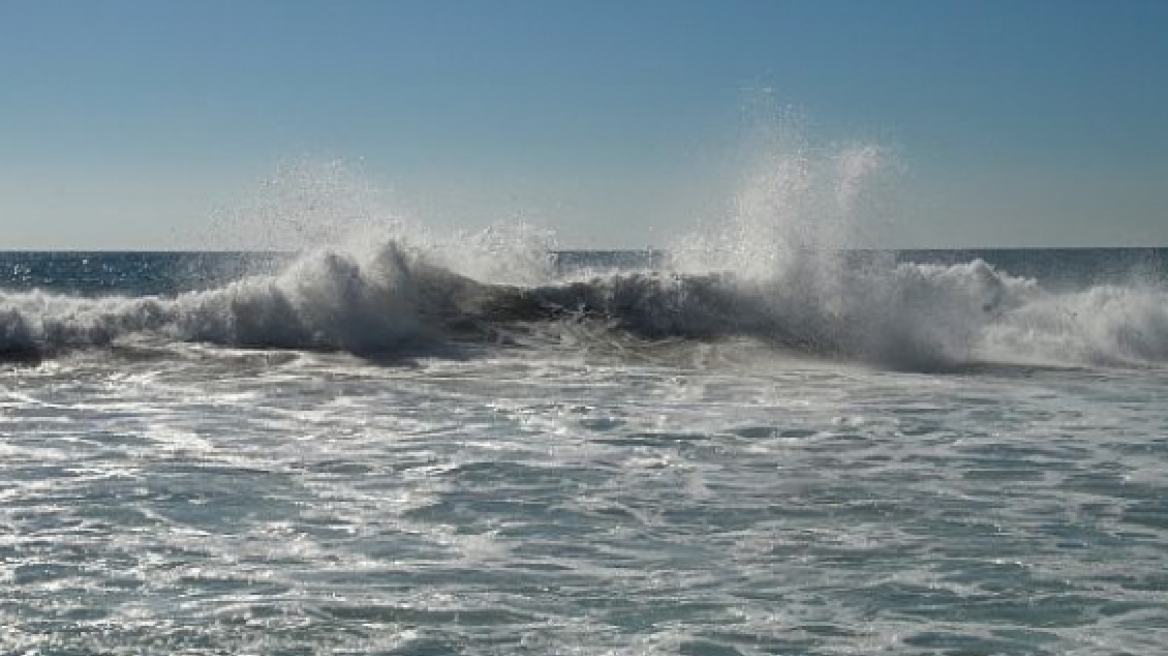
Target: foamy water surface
x,y
584,494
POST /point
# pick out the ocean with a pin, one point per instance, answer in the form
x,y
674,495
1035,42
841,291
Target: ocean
x,y
397,449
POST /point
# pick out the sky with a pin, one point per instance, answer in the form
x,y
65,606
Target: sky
x,y
145,124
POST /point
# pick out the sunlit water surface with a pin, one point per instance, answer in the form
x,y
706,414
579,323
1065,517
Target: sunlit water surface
x,y
582,495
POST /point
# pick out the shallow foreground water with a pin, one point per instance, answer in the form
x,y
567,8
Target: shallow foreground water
x,y
674,500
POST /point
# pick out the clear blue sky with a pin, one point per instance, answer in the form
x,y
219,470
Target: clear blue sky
x,y
133,123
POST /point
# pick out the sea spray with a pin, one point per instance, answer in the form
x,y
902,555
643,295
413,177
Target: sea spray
x,y
508,252
787,268
305,204
310,204
796,217
781,270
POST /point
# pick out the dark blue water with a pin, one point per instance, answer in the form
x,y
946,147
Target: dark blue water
x,y
130,273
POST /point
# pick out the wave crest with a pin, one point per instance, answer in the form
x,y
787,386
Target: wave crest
x,y
330,300
388,299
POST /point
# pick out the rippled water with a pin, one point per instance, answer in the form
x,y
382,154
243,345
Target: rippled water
x,y
624,498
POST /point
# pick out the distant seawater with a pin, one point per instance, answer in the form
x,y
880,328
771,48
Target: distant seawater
x,y
390,450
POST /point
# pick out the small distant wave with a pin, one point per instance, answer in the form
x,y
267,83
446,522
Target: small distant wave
x,y
388,300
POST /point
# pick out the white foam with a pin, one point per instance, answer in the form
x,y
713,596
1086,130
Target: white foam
x,y
325,300
1103,325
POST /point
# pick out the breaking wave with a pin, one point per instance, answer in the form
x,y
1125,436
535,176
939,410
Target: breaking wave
x,y
908,316
328,300
390,300
777,271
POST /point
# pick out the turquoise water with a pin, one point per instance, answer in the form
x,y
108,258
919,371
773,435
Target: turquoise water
x,y
638,476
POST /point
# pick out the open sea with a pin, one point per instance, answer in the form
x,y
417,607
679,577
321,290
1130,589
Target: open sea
x,y
396,450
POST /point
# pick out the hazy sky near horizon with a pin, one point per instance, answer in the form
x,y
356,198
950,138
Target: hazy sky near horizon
x,y
135,124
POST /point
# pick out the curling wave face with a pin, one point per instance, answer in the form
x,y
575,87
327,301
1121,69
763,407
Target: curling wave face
x,y
326,301
392,301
